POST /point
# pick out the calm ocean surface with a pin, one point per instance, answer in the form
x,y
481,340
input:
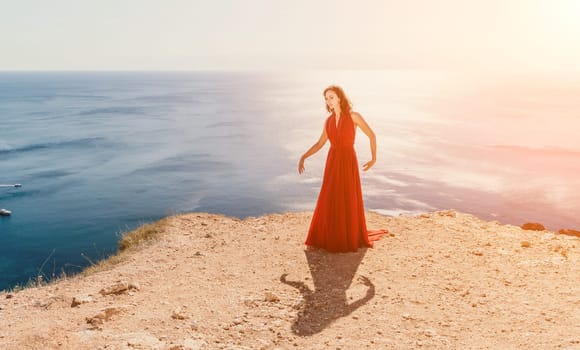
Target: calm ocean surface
x,y
101,153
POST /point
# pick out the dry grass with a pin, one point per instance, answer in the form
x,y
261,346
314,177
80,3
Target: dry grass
x,y
142,234
129,242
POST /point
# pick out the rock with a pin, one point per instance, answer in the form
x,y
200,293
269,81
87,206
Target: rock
x,y
271,297
250,302
533,226
103,316
449,213
430,333
9,296
81,300
569,232
526,244
119,288
178,314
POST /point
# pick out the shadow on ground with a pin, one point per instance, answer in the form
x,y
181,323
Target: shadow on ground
x,y
332,275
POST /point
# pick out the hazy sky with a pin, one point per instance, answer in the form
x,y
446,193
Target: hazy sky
x,y
272,34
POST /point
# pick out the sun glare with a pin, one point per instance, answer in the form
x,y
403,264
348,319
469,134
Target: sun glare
x,y
563,19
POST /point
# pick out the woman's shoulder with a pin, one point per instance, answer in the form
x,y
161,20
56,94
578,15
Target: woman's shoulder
x,y
355,115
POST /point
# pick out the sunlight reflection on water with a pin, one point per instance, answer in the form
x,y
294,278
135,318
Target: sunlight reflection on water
x,y
511,138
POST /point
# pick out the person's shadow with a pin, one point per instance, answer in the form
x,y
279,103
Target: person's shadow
x,y
332,274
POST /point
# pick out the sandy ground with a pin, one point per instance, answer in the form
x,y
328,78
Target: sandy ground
x,y
441,280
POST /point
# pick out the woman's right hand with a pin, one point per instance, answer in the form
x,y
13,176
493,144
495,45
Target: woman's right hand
x,y
301,165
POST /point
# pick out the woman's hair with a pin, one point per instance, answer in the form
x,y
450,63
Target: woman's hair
x,y
345,105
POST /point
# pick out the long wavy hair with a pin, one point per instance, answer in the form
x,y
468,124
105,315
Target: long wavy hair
x,y
345,105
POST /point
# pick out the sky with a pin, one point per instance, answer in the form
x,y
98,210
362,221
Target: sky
x,y
298,34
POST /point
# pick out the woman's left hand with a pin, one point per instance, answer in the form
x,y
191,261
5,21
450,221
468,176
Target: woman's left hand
x,y
301,166
368,165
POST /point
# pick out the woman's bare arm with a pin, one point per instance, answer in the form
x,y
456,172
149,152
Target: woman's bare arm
x,y
315,148
362,124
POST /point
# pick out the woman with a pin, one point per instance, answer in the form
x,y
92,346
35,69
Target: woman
x,y
338,223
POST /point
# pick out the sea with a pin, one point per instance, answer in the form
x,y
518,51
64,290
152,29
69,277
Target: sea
x,y
101,153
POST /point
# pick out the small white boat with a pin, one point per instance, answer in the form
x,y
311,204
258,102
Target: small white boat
x,y
6,212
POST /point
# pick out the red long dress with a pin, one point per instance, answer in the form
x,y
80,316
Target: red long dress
x,y
338,223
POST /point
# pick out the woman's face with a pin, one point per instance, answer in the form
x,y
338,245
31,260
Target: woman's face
x,y
332,100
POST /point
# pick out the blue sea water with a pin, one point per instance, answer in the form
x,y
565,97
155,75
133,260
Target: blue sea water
x,y
100,153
